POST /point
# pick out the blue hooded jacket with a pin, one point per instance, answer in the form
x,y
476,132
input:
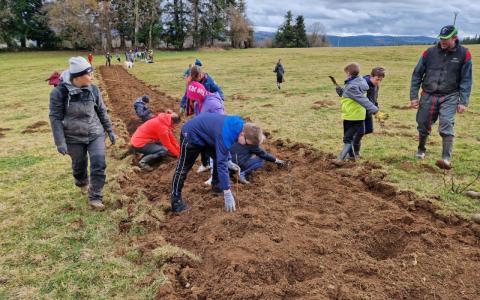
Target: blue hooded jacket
x,y
216,131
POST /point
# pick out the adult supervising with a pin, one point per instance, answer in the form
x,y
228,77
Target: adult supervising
x,y
444,72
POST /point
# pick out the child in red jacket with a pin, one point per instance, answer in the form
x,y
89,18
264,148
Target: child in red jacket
x,y
155,139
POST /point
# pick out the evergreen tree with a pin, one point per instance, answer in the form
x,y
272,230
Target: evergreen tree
x,y
285,37
301,40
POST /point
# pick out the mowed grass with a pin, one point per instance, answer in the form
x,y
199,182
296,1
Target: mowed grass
x,y
247,78
52,246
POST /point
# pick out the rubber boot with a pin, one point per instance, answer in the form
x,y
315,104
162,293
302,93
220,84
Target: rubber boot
x,y
447,148
146,161
346,149
422,142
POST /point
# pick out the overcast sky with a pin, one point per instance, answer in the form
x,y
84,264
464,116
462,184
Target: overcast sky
x,y
353,17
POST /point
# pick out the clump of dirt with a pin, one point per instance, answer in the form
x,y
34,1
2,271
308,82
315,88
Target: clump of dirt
x,y
267,105
240,97
321,104
305,231
36,127
401,107
2,130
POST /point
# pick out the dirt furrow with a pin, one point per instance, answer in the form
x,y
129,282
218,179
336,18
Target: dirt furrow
x,y
305,231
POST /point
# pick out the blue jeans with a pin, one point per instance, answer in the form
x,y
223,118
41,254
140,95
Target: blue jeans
x,y
96,154
251,165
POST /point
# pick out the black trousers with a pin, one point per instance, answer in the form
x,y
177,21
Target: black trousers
x,y
96,154
188,155
351,129
152,152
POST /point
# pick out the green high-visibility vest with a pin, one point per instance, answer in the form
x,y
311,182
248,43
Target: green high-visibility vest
x,y
352,111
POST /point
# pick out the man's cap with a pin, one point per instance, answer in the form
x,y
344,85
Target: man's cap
x,y
145,98
447,32
198,62
79,66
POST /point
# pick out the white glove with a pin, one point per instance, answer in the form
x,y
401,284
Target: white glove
x,y
229,201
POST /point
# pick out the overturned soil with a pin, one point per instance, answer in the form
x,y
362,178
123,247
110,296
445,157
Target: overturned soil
x,y
305,231
40,126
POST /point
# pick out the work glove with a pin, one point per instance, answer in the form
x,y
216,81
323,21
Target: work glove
x,y
339,90
229,201
182,110
62,149
112,137
233,166
279,162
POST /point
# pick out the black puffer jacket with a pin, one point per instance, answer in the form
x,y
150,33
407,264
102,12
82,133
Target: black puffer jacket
x,y
77,115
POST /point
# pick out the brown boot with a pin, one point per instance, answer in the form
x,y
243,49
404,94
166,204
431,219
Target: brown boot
x,y
443,164
84,189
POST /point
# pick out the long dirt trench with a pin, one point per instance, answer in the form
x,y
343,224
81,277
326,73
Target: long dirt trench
x,y
306,231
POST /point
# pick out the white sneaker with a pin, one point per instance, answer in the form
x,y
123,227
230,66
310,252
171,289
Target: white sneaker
x,y
203,168
208,182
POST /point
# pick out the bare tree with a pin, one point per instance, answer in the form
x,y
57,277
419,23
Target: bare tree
x,y
76,21
317,36
240,28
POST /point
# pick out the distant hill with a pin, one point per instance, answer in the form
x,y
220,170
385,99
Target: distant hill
x,y
363,40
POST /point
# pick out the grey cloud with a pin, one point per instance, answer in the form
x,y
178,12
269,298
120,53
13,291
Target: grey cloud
x,y
408,17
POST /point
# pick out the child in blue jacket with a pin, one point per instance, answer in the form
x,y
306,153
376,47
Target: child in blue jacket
x,y
249,156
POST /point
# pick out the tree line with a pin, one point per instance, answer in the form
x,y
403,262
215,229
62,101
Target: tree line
x,y
471,40
87,24
293,34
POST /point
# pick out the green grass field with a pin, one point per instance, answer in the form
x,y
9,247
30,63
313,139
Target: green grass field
x,y
53,246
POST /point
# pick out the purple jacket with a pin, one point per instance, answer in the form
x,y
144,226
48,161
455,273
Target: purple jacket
x,y
212,103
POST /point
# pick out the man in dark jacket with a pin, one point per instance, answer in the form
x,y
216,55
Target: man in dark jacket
x,y
79,120
280,71
445,74
141,108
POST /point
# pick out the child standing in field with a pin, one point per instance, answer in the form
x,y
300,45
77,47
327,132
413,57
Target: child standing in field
x,y
280,71
355,107
90,58
374,80
249,156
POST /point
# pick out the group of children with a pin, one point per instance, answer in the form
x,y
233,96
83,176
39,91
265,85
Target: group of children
x,y
227,144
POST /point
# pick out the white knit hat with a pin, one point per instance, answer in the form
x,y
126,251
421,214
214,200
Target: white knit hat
x,y
79,66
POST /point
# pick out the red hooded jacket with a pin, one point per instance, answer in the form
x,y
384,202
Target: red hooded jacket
x,y
157,129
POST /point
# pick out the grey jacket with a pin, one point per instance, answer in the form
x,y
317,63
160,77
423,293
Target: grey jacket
x,y
77,115
355,89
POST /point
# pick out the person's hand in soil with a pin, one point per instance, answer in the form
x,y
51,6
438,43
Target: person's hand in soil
x,y
279,162
62,149
229,201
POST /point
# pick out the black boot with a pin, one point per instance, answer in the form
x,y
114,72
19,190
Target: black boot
x,y
422,142
178,205
150,159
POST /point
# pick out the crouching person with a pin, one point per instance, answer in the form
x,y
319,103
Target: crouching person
x,y
215,134
155,139
248,154
142,109
79,121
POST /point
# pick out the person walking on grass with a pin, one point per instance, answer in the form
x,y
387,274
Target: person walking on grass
x,y
155,139
108,59
355,108
79,122
373,80
90,58
444,73
215,134
280,72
